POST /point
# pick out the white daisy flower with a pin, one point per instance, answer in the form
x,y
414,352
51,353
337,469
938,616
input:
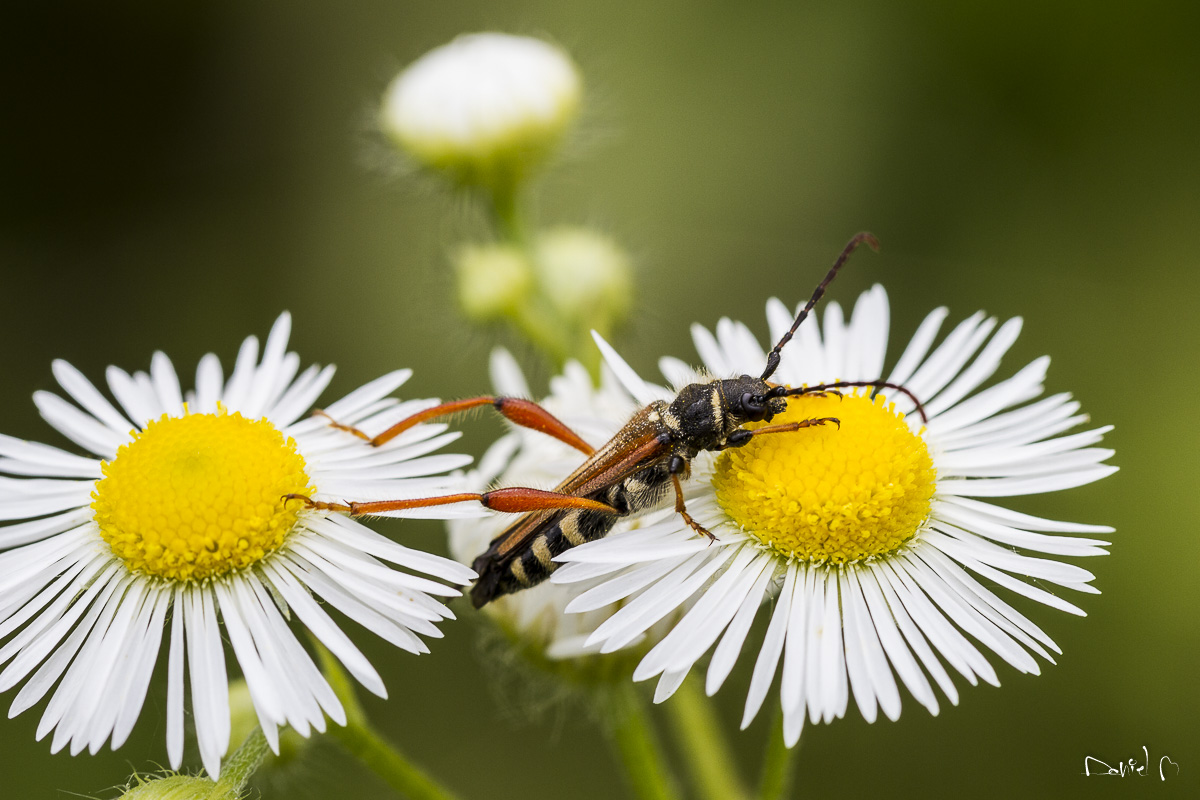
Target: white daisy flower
x,y
485,108
177,521
870,537
525,457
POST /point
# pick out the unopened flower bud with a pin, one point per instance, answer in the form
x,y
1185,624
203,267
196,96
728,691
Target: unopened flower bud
x,y
586,276
493,280
177,787
486,108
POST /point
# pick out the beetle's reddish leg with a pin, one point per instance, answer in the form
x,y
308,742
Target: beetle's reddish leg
x,y
518,411
511,500
788,427
677,466
741,437
333,423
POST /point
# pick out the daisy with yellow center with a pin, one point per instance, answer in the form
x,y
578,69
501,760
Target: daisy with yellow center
x,y
178,521
867,535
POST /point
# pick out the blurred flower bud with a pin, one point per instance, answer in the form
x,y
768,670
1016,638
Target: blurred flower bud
x,y
178,787
586,276
493,280
486,108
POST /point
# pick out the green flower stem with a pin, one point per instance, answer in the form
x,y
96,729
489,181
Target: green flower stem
x,y
779,765
363,742
536,320
237,769
508,215
638,748
703,743
541,326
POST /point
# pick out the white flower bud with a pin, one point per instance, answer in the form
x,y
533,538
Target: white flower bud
x,y
493,280
485,108
585,275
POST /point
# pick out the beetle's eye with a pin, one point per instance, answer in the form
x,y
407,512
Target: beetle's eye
x,y
752,405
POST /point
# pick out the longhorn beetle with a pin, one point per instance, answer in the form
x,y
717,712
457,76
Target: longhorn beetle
x,y
629,473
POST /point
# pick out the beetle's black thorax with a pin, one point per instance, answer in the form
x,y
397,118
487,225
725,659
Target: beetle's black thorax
x,y
703,415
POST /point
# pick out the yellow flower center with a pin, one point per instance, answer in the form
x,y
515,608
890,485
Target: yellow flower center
x,y
825,494
198,496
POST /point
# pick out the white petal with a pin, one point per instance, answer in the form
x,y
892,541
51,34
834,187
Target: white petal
x,y
506,374
93,602
300,396
166,383
772,647
710,353
982,368
952,645
40,529
84,393
918,346
242,378
658,601
1005,516
969,618
629,379
34,458
368,393
139,403
695,633
270,378
352,605
209,382
325,629
980,412
81,428
175,684
668,685
834,330
985,525
143,668
950,357
1008,487
206,667
730,646
622,586
913,636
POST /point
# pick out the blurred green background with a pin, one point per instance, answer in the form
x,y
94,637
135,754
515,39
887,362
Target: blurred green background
x,y
173,175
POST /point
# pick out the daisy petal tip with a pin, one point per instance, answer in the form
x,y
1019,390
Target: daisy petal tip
x,y
577,607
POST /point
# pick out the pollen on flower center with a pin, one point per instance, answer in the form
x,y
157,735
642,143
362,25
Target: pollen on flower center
x,y
198,496
825,494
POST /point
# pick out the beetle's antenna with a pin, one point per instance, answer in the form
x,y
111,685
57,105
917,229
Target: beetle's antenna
x,y
773,358
782,391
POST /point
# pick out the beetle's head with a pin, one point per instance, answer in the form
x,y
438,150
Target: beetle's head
x,y
746,399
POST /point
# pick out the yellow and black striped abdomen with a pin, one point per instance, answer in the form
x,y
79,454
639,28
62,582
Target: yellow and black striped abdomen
x,y
532,561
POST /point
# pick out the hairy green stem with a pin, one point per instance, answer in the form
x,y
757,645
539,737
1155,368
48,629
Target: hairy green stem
x,y
363,742
779,765
638,747
702,741
237,769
